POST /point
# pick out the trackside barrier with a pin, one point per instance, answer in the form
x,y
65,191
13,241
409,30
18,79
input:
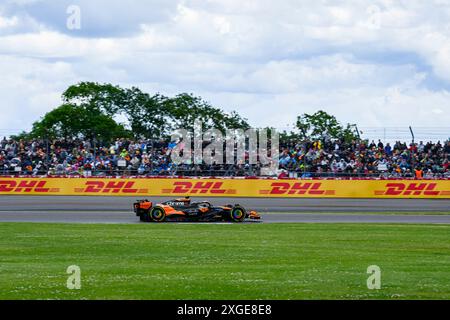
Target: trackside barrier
x,y
266,188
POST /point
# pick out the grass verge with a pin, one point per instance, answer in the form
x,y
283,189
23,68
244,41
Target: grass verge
x,y
209,261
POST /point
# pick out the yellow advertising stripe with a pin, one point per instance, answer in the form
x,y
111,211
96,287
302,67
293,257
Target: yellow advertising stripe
x,y
439,189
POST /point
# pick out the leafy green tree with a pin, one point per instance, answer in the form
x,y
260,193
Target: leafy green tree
x,y
70,121
152,116
290,138
185,109
321,124
104,97
146,114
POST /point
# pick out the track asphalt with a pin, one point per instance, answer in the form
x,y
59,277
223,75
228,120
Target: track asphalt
x,y
65,209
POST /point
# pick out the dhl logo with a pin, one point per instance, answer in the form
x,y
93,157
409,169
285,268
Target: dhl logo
x,y
184,187
309,188
110,187
415,189
27,186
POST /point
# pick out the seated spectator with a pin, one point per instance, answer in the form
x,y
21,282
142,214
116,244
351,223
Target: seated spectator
x,y
316,158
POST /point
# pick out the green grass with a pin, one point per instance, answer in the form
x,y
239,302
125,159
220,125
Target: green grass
x,y
208,261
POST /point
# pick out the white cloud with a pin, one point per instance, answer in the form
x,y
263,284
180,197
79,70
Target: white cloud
x,y
8,22
30,88
373,63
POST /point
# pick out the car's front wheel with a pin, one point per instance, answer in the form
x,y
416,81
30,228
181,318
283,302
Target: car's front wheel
x,y
237,214
157,214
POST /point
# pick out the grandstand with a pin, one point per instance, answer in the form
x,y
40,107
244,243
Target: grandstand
x,y
381,153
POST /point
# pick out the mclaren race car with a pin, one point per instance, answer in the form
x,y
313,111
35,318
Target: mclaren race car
x,y
183,210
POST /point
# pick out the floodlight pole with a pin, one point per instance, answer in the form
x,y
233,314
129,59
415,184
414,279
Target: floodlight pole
x,y
412,134
357,132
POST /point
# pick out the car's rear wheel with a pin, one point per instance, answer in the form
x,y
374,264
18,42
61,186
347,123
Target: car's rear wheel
x,y
237,214
157,214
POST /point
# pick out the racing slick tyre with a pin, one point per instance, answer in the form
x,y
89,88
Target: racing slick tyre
x,y
238,214
157,214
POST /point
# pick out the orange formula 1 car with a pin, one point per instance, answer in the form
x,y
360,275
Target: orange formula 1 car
x,y
182,210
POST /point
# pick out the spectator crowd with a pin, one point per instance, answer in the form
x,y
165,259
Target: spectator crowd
x,y
123,157
86,158
363,159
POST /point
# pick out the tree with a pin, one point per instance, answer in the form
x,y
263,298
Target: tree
x,y
70,121
291,137
323,125
104,97
185,109
152,116
147,115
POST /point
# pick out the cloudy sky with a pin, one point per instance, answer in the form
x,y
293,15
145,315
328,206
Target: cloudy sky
x,y
375,63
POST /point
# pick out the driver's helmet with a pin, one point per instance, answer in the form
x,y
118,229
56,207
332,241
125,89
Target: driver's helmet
x,y
186,200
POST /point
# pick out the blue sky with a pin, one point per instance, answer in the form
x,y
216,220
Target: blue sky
x,y
375,63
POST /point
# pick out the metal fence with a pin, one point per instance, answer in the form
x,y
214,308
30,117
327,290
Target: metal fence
x,y
405,134
385,134
224,174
